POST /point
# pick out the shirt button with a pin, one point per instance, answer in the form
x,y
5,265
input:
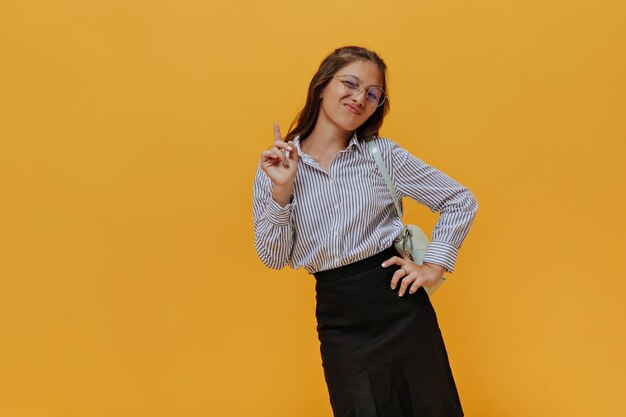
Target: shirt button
x,y
336,206
336,233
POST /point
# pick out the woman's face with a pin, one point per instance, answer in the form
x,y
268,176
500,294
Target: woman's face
x,y
350,109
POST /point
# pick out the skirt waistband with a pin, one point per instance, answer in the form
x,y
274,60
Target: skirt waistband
x,y
358,266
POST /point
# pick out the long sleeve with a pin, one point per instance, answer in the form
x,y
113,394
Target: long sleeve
x,y
273,229
440,193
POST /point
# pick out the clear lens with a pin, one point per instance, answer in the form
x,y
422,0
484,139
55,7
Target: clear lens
x,y
375,94
352,82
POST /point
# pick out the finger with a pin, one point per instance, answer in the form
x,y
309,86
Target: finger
x,y
288,149
406,256
282,145
277,133
415,286
280,155
397,276
394,260
405,283
269,159
293,152
268,156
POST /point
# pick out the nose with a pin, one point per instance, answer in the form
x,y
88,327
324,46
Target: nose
x,y
360,98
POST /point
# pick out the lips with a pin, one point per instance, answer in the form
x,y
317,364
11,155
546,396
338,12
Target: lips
x,y
352,109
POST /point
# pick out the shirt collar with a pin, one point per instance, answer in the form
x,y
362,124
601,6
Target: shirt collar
x,y
354,143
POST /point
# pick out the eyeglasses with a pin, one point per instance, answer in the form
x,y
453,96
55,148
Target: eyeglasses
x,y
375,95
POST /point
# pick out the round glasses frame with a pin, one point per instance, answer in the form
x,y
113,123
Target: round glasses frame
x,y
352,83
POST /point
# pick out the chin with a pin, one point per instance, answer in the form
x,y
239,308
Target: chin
x,y
350,124
343,124
354,126
349,127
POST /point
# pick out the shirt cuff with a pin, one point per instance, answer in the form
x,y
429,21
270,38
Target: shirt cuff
x,y
441,253
279,215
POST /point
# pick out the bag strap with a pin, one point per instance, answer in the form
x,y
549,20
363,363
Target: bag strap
x,y
373,146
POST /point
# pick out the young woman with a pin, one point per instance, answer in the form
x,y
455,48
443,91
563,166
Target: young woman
x,y
321,203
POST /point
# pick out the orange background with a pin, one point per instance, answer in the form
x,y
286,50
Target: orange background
x,y
131,130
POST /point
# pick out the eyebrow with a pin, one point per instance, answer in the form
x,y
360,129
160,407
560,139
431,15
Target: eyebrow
x,y
371,85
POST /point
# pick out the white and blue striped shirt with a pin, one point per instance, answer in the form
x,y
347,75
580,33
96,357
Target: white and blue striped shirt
x,y
346,214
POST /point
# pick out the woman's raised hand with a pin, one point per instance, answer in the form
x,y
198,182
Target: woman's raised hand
x,y
280,161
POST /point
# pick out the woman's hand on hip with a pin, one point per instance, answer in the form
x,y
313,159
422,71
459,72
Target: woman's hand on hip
x,y
412,274
280,161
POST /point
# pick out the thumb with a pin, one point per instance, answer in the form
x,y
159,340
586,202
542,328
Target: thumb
x,y
293,153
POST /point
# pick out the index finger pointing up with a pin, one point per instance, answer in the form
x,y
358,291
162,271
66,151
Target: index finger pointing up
x,y
277,132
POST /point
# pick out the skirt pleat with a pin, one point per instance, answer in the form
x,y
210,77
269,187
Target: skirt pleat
x,y
383,355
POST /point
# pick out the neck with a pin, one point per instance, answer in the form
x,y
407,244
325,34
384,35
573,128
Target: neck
x,y
326,140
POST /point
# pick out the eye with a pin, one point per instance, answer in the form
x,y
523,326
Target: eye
x,y
350,84
372,95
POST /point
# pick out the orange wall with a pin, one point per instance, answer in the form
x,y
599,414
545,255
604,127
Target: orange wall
x,y
131,130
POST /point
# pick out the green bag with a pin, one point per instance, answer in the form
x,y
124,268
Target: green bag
x,y
414,242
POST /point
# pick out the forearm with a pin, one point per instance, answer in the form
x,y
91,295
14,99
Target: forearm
x,y
440,193
450,231
273,244
273,229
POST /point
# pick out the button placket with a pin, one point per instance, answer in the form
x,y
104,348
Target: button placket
x,y
335,200
335,205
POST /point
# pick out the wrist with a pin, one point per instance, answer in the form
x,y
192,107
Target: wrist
x,y
440,269
282,193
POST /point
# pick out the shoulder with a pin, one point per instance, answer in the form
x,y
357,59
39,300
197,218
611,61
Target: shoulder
x,y
382,140
388,148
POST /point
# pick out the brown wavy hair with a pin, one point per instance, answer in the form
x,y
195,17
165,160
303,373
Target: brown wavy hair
x,y
340,57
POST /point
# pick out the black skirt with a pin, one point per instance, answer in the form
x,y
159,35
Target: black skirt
x,y
383,355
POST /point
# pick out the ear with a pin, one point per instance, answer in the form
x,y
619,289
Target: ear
x,y
321,96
